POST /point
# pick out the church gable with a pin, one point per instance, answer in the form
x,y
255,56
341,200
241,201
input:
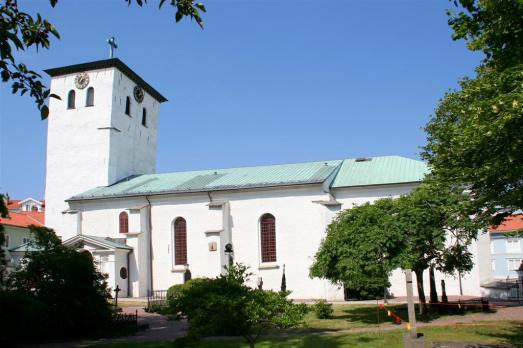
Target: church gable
x,y
98,243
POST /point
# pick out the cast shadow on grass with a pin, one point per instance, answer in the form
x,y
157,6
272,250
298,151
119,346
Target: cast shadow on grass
x,y
512,336
327,341
369,315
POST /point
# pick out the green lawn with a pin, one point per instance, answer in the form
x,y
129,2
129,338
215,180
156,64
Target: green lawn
x,y
502,332
330,332
349,316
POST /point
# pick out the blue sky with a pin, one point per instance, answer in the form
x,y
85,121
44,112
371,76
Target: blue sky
x,y
265,82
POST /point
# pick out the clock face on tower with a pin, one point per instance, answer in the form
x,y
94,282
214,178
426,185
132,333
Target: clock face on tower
x,y
81,80
138,94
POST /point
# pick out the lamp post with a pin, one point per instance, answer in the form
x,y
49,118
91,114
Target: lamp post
x,y
116,291
228,250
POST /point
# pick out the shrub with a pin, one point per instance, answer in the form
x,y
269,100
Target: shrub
x,y
226,306
69,296
21,317
323,309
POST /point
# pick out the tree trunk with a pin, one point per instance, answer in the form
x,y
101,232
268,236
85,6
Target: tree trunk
x,y
433,291
421,292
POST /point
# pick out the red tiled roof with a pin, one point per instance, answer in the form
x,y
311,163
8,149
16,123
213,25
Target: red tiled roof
x,y
24,218
511,223
13,204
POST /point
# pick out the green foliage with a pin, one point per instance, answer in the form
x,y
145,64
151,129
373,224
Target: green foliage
x,y
474,138
226,306
184,8
436,228
323,309
365,243
474,141
22,31
494,27
159,308
65,283
360,248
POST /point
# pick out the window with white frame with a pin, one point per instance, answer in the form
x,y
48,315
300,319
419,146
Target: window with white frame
x,y
513,245
493,264
513,264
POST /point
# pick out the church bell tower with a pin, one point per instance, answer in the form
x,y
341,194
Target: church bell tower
x,y
103,130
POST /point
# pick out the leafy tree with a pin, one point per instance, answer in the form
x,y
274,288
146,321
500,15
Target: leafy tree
x,y
21,31
227,306
65,282
474,138
422,229
494,27
360,248
474,141
435,233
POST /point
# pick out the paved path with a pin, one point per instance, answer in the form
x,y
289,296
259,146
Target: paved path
x,y
160,329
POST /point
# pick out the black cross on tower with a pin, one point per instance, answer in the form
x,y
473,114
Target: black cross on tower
x,y
112,46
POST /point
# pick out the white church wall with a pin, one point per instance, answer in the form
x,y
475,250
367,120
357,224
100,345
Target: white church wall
x,y
101,218
135,220
76,148
194,209
133,147
350,196
120,261
138,265
300,225
484,258
90,146
299,230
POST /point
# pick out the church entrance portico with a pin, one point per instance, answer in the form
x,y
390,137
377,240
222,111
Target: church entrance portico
x,y
110,256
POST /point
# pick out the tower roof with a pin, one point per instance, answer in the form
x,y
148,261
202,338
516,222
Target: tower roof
x,y
107,63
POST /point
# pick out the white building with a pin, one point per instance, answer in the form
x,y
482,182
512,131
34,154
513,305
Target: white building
x,y
148,229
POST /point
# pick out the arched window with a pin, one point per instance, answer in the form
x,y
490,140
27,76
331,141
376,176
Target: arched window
x,y
128,106
89,100
268,238
124,222
70,99
144,118
180,241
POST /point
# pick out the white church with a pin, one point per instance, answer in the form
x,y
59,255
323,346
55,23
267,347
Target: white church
x,y
148,231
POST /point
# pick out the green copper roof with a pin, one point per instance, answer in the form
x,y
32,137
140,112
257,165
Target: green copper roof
x,y
379,171
349,172
217,179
